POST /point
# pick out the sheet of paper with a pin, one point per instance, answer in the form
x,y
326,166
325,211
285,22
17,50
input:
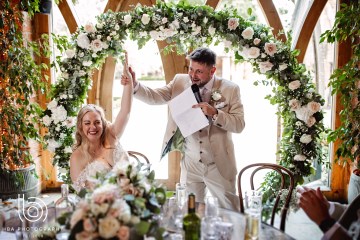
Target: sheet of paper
x,y
188,119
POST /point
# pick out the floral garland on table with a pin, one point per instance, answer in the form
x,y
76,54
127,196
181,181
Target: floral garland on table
x,y
185,26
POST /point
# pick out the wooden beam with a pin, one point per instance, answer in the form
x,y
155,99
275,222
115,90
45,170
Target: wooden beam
x,y
106,86
272,18
69,15
339,175
308,27
213,3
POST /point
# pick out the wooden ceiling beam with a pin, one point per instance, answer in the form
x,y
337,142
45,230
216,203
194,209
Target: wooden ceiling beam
x,y
308,27
69,15
272,18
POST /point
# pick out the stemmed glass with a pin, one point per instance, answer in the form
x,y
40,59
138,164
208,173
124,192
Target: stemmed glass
x,y
211,217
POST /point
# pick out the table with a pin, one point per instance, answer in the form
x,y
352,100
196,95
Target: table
x,y
238,219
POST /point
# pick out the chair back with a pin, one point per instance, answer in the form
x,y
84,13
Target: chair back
x,y
141,158
284,173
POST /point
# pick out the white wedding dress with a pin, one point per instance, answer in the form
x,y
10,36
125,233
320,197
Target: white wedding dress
x,y
88,174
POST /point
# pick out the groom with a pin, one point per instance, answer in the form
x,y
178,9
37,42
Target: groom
x,y
208,159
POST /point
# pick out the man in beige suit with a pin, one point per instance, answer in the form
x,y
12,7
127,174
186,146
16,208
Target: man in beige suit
x,y
208,160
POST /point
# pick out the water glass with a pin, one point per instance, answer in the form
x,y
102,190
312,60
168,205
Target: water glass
x,y
181,196
208,228
211,207
253,209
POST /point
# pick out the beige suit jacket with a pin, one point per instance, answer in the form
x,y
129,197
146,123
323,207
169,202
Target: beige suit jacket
x,y
230,118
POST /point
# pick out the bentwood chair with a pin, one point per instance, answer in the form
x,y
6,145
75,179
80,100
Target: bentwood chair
x,y
139,157
287,182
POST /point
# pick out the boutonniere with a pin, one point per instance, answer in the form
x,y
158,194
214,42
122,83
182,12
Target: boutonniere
x,y
216,95
217,99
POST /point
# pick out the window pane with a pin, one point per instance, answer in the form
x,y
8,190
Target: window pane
x,y
146,127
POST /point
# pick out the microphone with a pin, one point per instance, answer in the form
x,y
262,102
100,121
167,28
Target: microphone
x,y
196,91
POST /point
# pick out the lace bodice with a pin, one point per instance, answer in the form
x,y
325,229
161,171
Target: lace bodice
x,y
88,174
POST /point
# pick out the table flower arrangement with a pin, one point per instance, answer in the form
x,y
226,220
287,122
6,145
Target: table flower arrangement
x,y
124,205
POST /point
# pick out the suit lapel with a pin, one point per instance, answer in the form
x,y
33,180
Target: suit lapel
x,y
216,86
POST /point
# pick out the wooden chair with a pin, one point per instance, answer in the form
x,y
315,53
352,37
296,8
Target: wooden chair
x,y
141,158
285,174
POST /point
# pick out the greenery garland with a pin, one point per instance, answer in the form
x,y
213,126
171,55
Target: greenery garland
x,y
185,26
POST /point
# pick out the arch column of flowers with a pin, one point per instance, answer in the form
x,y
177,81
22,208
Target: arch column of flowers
x,y
185,26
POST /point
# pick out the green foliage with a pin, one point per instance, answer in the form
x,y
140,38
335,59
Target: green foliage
x,y
345,83
20,80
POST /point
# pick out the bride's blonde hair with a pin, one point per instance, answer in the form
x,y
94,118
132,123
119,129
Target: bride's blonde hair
x,y
79,137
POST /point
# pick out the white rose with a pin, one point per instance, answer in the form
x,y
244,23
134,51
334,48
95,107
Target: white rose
x,y
117,27
175,24
68,149
87,63
310,121
186,19
108,227
314,106
282,66
309,95
253,52
294,85
52,145
81,54
65,75
70,53
294,104
164,20
53,104
265,66
216,96
127,19
76,217
59,114
46,120
154,35
270,48
96,45
211,30
303,113
89,28
196,31
305,138
248,33
83,41
299,157
145,19
256,41
233,23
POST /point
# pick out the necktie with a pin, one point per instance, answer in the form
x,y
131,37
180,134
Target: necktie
x,y
203,95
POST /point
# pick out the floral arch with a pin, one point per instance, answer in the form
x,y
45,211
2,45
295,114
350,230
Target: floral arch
x,y
185,26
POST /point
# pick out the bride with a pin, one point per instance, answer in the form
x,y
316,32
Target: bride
x,y
97,146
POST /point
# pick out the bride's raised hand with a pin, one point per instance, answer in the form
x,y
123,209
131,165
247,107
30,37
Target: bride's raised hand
x,y
126,77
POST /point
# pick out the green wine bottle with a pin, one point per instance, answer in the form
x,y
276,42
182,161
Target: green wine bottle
x,y
191,221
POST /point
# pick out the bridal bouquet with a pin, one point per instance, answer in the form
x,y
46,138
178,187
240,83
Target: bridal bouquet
x,y
124,205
